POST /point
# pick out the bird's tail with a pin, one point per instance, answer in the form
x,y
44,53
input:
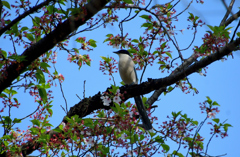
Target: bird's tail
x,y
142,112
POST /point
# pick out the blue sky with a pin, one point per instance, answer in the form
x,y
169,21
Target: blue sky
x,y
221,83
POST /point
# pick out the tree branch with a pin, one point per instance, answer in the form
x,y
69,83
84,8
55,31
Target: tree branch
x,y
232,18
88,105
229,10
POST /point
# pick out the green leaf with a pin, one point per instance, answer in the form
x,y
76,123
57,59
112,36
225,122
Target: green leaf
x,y
117,107
165,147
159,139
170,88
135,41
7,119
169,54
3,95
16,120
43,94
128,1
40,76
14,29
17,57
225,126
147,17
147,25
161,62
109,35
6,4
6,91
4,53
35,122
30,37
238,34
88,122
48,124
215,120
42,130
195,122
92,43
57,130
215,103
177,153
50,111
209,101
44,66
13,92
24,28
80,40
101,114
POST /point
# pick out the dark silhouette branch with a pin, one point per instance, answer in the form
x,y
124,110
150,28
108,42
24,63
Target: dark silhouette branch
x,y
229,10
88,105
231,19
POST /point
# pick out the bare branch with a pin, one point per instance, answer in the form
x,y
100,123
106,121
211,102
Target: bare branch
x,y
231,19
229,10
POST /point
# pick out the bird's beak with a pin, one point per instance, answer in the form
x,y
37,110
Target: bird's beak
x,y
115,52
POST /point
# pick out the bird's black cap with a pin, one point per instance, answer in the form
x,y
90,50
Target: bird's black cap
x,y
122,52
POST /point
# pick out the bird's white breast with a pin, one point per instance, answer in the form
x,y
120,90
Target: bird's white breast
x,y
126,69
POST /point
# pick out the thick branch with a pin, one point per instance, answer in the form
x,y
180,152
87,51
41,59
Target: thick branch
x,y
20,17
49,41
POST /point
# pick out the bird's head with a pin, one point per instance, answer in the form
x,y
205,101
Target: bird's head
x,y
122,52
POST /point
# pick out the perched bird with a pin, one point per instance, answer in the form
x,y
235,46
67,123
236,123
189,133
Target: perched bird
x,y
129,76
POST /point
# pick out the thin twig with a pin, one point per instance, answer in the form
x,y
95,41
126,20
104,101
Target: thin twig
x,y
229,10
234,33
78,97
64,97
209,142
84,83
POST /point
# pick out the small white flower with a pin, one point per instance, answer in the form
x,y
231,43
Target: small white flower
x,y
115,46
200,73
170,32
211,114
123,136
88,133
106,100
118,92
117,99
182,30
89,141
222,59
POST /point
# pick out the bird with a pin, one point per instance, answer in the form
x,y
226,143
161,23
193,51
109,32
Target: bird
x,y
128,75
